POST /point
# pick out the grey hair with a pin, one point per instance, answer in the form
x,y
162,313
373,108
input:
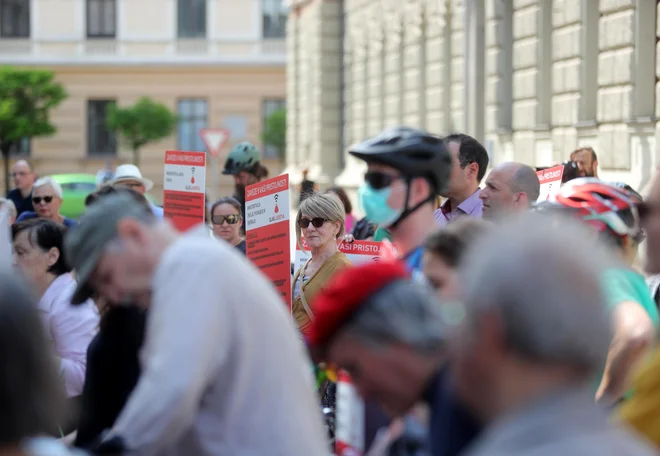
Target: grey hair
x,y
29,389
402,312
57,188
544,281
11,207
525,180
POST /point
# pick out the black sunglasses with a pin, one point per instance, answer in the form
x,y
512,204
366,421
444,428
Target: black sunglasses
x,y
37,199
231,219
378,180
317,222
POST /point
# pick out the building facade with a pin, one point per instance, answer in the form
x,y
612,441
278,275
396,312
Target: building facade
x,y
216,63
531,79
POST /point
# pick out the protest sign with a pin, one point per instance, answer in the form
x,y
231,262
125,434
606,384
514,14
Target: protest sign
x,y
267,213
358,252
550,180
184,188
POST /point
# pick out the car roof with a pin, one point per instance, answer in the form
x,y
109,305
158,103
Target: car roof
x,y
75,177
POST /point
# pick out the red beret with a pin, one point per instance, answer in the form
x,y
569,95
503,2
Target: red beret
x,y
346,293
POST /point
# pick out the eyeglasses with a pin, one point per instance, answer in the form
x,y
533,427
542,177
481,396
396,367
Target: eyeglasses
x,y
20,173
378,180
317,222
46,199
231,219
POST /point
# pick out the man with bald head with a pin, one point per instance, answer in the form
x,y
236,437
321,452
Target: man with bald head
x,y
510,187
21,195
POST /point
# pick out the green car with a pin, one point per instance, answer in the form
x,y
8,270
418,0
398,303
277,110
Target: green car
x,y
75,188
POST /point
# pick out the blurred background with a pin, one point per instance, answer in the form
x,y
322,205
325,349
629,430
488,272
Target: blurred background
x,y
531,79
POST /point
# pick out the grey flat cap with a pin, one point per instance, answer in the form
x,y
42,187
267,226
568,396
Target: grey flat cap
x,y
85,243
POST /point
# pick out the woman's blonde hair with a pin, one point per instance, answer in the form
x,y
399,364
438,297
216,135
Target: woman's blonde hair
x,y
327,206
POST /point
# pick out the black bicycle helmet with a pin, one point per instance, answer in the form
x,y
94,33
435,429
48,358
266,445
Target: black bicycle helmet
x,y
414,153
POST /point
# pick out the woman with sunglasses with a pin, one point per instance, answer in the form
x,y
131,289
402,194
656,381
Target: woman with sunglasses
x,y
320,223
227,219
612,209
47,201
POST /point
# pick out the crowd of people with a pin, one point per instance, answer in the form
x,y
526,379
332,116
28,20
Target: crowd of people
x,y
493,324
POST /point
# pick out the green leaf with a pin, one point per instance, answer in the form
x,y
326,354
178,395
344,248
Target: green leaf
x,y
274,133
142,123
26,99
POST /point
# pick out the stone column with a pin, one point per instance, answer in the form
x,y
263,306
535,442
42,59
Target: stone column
x,y
326,104
566,71
474,69
437,63
393,64
414,65
615,83
457,108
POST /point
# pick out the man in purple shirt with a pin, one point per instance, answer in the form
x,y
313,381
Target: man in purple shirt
x,y
470,163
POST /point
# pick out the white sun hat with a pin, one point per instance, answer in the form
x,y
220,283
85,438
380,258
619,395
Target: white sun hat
x,y
130,172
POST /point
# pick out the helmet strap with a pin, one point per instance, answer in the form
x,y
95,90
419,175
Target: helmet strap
x,y
409,210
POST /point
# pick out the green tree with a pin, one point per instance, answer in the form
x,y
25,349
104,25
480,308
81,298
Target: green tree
x,y
144,122
274,133
26,99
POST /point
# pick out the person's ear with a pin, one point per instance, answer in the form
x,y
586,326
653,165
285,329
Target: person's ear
x,y
473,170
521,199
52,256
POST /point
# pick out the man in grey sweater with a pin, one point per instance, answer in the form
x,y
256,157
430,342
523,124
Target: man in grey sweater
x,y
534,340
223,370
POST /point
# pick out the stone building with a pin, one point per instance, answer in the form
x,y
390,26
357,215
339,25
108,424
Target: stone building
x,y
531,79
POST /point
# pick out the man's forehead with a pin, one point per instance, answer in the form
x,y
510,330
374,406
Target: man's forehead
x,y
21,166
583,155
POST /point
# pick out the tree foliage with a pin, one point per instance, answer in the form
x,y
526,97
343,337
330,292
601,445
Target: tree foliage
x,y
274,133
144,122
26,99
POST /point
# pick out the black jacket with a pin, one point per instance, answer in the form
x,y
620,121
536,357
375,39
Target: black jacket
x,y
113,370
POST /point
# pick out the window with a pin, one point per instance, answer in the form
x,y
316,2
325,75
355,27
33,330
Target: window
x,y
193,114
100,140
192,19
269,107
15,18
21,148
274,18
101,18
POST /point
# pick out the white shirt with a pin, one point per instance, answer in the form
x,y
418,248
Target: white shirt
x,y
223,370
70,329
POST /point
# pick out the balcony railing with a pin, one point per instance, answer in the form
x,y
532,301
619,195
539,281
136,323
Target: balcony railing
x,y
184,51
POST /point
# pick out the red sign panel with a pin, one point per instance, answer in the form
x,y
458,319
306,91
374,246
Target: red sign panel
x,y
267,213
184,188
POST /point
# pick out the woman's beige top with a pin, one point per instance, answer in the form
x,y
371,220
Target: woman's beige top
x,y
313,285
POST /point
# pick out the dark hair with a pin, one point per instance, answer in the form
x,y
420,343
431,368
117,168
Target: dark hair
x,y
571,171
451,243
46,235
31,398
260,171
348,206
228,200
594,157
110,190
470,151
